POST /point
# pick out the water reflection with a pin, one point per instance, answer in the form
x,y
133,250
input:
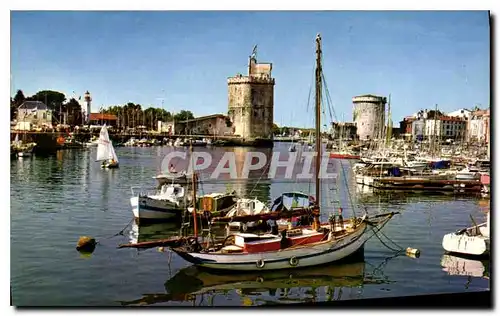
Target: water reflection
x,y
153,231
455,265
326,283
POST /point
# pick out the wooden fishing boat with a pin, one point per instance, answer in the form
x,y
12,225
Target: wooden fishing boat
x,y
304,246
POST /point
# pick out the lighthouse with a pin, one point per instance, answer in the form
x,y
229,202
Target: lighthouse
x,y
88,101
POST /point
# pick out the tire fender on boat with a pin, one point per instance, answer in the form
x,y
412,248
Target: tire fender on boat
x,y
260,263
244,227
294,261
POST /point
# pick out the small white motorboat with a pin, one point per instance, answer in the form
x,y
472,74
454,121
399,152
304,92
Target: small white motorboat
x,y
166,204
473,241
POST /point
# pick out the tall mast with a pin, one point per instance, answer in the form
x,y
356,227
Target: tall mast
x,y
193,178
318,115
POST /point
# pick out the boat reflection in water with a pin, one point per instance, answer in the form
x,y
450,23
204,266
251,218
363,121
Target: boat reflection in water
x,y
455,265
154,231
325,283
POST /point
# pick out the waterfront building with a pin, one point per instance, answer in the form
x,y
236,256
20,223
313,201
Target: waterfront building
x,y
479,126
103,118
33,114
215,124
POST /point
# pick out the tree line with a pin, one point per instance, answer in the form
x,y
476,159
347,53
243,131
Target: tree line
x,y
132,115
129,115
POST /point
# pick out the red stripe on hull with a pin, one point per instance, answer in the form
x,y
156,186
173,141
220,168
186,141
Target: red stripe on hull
x,y
343,156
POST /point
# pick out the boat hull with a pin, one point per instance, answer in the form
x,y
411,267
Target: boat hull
x,y
344,156
298,257
24,154
110,165
466,245
146,208
467,176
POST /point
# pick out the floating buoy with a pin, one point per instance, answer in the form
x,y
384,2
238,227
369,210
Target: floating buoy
x,y
86,244
161,249
412,252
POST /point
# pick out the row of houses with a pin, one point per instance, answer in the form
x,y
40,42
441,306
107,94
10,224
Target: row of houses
x,y
33,115
461,125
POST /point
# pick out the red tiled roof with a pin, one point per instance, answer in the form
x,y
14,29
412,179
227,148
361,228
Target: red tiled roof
x,y
102,116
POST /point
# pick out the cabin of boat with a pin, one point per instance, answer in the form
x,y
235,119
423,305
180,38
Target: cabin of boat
x,y
216,203
253,243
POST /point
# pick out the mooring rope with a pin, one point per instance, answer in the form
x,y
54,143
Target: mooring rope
x,y
119,233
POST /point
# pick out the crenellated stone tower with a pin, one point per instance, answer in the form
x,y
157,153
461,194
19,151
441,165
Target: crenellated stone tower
x,y
251,100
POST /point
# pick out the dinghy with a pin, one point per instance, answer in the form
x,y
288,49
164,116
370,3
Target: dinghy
x,y
105,151
472,241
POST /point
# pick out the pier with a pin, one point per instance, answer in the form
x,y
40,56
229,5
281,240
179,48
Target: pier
x,y
402,183
47,141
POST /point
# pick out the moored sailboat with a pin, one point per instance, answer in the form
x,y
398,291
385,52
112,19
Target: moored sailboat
x,y
309,245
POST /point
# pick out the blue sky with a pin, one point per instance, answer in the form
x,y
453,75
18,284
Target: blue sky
x,y
420,58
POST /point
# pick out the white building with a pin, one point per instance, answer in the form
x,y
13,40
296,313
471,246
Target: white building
x,y
462,113
446,127
479,125
32,114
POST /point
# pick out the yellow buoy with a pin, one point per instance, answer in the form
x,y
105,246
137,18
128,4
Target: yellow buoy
x,y
86,244
412,252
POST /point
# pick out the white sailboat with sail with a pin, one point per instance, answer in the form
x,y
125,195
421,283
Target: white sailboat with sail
x,y
105,151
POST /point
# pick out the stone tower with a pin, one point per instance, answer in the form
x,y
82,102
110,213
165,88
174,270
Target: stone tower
x,y
251,100
369,116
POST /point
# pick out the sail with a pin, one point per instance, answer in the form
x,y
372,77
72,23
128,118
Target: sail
x,y
112,152
105,148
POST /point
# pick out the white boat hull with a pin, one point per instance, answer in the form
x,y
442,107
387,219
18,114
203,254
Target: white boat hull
x,y
24,154
467,245
146,208
467,176
306,256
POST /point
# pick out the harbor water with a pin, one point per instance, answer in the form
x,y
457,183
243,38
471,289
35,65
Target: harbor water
x,y
57,198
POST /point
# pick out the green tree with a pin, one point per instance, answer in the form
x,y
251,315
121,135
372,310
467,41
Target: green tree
x,y
74,112
275,129
54,101
19,98
183,116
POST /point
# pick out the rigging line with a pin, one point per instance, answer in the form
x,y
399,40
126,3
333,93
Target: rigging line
x,y
329,102
260,178
310,87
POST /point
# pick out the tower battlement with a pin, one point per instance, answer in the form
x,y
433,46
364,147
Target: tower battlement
x,y
251,100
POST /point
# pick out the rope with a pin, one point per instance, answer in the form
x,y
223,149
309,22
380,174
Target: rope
x,y
377,230
120,232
